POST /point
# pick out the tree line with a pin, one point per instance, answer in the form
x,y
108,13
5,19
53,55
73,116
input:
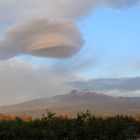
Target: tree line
x,y
83,127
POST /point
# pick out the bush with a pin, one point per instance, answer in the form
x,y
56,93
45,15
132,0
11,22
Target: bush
x,y
84,127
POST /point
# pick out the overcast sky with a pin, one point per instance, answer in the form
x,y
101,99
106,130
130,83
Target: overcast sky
x,y
49,47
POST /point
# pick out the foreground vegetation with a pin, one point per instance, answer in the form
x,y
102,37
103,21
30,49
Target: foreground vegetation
x,y
84,127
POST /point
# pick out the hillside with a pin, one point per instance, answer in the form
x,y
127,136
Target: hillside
x,y
77,101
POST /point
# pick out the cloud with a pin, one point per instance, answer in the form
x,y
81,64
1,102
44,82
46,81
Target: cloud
x,y
36,30
109,84
42,37
24,81
76,64
20,10
21,81
118,4
56,8
46,28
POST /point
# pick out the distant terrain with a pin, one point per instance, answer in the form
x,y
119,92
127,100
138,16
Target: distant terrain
x,y
77,101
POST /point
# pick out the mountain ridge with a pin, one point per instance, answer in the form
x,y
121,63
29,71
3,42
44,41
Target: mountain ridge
x,y
76,101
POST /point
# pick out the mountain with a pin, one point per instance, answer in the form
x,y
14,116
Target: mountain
x,y
77,101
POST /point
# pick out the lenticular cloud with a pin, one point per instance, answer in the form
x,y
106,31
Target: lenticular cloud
x,y
43,27
42,37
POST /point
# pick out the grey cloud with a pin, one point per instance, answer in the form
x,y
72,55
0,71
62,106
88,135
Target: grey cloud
x,y
118,4
56,8
42,37
46,8
121,84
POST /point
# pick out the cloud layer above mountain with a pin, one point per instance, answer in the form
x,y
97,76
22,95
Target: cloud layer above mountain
x,y
42,28
21,81
109,84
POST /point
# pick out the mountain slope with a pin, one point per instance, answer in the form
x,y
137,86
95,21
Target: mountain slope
x,y
77,101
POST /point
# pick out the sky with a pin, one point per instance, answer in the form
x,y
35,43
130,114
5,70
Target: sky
x,y
51,47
